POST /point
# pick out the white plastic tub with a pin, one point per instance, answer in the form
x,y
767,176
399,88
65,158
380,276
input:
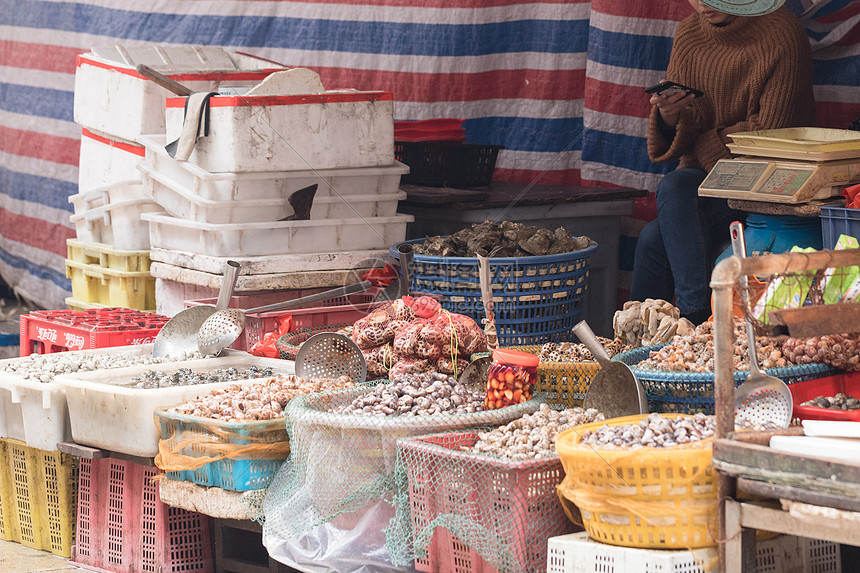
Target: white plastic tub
x,y
211,186
328,130
275,238
111,215
36,412
105,161
111,97
184,203
105,414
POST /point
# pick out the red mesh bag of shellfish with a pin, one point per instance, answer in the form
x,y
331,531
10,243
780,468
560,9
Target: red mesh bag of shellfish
x,y
378,327
379,360
445,334
411,366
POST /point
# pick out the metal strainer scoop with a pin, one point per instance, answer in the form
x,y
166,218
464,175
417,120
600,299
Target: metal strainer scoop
x,y
222,328
330,355
762,400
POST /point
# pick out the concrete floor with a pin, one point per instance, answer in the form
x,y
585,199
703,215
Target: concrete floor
x,y
15,558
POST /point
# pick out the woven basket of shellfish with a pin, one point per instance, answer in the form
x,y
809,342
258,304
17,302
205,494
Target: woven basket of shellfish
x,y
536,299
566,369
678,377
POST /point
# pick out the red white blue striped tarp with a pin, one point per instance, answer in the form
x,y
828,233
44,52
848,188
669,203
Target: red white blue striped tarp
x,y
557,82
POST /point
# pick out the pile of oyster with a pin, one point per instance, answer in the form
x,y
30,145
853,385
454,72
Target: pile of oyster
x,y
505,239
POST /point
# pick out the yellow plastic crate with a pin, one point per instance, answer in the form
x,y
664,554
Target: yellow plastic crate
x,y
38,497
562,383
107,257
94,284
78,305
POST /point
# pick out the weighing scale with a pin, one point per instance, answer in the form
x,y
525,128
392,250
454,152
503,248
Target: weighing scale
x,y
793,165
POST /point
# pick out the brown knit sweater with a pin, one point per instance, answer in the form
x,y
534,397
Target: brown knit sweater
x,y
756,74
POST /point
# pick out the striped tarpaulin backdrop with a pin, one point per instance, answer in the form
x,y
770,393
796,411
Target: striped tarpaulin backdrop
x,y
557,82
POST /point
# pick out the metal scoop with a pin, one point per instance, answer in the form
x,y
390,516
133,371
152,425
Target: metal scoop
x,y
330,355
222,328
476,375
762,400
614,391
179,336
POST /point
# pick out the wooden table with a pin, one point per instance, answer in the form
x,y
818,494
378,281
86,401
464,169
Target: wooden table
x,y
592,211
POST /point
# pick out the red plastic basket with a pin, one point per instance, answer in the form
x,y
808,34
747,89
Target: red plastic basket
x,y
514,500
124,527
345,309
848,383
49,331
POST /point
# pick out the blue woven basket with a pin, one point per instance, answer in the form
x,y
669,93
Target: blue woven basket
x,y
536,299
692,392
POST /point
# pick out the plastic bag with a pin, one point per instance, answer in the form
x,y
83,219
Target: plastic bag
x,y
268,345
852,197
350,543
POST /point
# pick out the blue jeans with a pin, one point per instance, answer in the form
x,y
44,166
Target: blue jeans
x,y
675,253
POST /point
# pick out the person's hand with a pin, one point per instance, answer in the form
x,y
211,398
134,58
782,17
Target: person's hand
x,y
671,106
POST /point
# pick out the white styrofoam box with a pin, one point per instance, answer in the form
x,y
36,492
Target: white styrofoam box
x,y
275,238
111,97
185,204
212,186
577,553
106,413
117,221
276,264
105,160
36,412
329,130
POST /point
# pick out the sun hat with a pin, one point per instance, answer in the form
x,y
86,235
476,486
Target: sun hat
x,y
745,7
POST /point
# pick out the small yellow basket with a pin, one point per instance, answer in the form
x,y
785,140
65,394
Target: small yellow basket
x,y
562,383
38,497
657,498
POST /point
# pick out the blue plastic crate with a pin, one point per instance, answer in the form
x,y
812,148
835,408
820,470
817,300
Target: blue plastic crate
x,y
837,221
247,472
536,299
693,392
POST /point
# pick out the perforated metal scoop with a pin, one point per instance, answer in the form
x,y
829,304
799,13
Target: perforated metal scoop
x,y
762,400
330,355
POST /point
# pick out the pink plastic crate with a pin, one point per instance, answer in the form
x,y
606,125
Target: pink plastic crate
x,y
123,527
516,501
341,310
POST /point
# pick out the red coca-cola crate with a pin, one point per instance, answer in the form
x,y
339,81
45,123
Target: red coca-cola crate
x,y
48,331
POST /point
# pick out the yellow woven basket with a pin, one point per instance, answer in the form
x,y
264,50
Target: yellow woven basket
x,y
562,383
659,498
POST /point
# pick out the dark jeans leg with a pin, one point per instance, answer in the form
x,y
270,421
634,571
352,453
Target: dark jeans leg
x,y
681,247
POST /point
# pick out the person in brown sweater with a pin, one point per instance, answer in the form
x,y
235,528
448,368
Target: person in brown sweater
x,y
753,61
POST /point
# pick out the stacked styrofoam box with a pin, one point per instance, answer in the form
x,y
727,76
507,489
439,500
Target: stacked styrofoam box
x,y
116,106
231,198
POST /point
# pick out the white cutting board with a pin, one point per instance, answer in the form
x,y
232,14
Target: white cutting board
x,y
831,428
837,449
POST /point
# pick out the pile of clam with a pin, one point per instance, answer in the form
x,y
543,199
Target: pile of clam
x,y
694,352
839,402
577,352
422,394
533,435
257,401
43,367
186,377
654,431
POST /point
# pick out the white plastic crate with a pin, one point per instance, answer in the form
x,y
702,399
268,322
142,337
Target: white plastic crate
x,y
274,238
184,203
36,412
212,186
111,97
328,130
105,160
106,413
576,553
111,215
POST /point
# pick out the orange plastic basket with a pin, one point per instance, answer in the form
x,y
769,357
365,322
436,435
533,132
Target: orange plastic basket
x,y
658,498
